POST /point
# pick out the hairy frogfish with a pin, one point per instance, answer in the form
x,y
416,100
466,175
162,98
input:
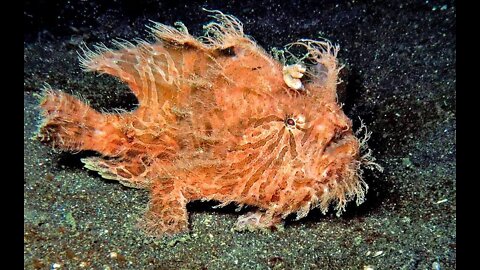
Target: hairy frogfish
x,y
218,118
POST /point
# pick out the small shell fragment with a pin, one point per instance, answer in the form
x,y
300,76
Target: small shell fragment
x,y
377,253
292,75
441,201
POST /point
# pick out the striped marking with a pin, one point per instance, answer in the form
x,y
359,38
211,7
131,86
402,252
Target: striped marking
x,y
266,120
293,145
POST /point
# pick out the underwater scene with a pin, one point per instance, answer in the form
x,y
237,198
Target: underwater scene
x,y
240,135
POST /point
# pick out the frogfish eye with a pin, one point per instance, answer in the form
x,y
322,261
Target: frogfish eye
x,y
290,122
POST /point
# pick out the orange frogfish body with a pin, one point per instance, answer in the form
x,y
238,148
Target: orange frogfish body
x,y
218,119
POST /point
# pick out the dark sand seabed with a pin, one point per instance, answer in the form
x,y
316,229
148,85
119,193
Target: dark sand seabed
x,y
400,79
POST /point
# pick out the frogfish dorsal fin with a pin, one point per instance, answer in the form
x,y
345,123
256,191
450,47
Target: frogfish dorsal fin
x,y
165,69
